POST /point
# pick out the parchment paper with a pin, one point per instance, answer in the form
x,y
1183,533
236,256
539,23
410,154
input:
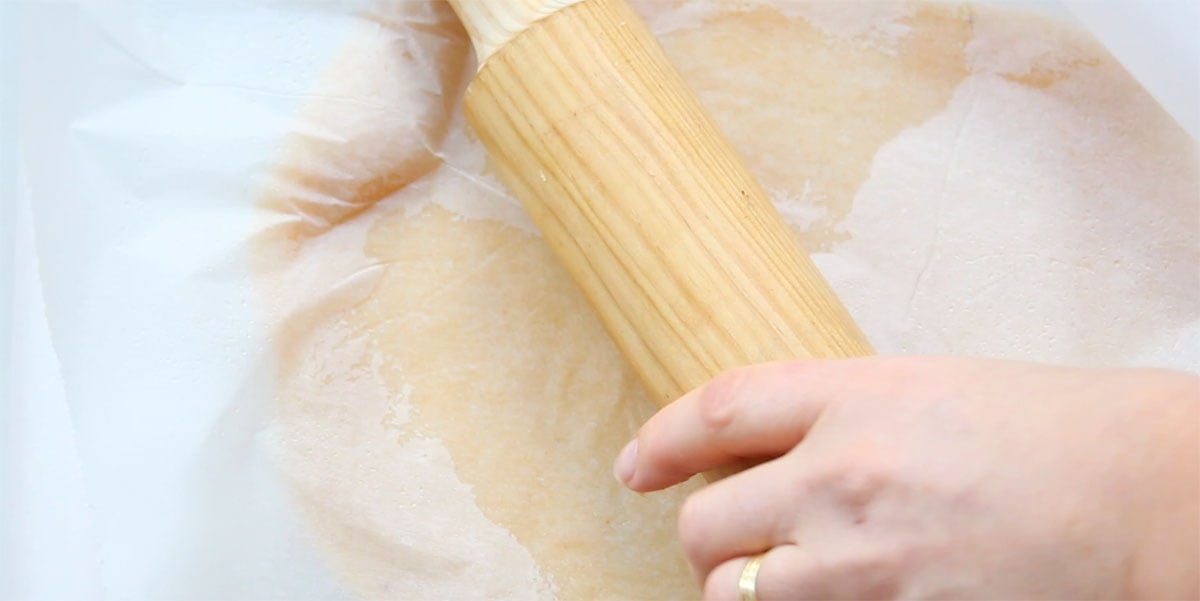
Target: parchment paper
x,y
204,179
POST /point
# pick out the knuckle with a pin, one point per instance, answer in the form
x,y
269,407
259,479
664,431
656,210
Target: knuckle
x,y
861,485
859,479
693,523
716,403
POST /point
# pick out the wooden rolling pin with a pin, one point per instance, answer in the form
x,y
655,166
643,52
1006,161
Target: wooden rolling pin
x,y
678,249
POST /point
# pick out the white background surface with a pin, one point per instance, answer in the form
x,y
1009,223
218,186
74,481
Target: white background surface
x,y
52,544
234,74
142,128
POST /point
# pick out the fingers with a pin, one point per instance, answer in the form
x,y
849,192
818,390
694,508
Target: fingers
x,y
813,549
798,572
740,515
779,576
752,412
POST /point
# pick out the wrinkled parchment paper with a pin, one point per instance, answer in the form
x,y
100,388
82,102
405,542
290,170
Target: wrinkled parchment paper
x,y
310,348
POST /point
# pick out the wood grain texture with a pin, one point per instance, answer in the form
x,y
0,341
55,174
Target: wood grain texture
x,y
492,23
678,249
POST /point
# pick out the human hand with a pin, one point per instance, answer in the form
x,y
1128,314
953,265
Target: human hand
x,y
935,477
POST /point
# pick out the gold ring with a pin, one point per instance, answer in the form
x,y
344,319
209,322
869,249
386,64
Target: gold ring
x,y
748,582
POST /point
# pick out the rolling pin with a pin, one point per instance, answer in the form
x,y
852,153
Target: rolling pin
x,y
660,223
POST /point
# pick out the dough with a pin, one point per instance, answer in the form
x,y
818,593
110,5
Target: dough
x,y
449,407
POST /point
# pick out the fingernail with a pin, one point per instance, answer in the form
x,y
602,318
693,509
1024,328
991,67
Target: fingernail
x,y
626,461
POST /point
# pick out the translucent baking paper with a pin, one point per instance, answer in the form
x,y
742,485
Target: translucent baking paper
x,y
161,143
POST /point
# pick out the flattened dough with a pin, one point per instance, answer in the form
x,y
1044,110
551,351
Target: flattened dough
x,y
448,405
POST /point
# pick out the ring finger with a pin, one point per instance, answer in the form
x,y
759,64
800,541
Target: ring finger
x,y
775,579
740,515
